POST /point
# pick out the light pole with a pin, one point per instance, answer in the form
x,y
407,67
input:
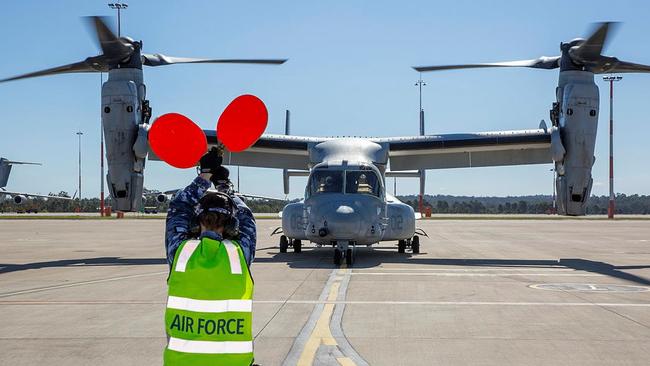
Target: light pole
x,y
118,7
554,210
79,133
611,207
101,155
420,83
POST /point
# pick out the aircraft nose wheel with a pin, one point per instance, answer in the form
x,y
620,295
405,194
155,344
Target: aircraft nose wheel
x,y
338,256
344,249
349,257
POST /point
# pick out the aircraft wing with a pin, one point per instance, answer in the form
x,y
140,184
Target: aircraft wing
x,y
468,150
256,197
3,192
172,192
270,151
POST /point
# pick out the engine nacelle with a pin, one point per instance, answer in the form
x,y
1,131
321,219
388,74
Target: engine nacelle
x,y
401,221
19,199
579,98
162,198
123,100
293,220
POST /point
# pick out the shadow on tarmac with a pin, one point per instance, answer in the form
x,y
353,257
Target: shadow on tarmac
x,y
365,258
375,256
82,262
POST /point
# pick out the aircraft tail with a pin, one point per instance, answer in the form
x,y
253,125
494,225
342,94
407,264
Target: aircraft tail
x,y
5,169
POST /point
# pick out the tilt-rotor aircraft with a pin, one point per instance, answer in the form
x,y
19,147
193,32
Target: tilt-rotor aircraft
x,y
125,109
346,203
18,198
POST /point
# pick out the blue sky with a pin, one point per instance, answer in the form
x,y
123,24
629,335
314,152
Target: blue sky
x,y
348,74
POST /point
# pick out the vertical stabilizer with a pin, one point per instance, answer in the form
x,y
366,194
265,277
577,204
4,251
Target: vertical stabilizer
x,y
5,169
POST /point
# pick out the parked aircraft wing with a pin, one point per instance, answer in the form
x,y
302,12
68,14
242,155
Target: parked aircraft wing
x,y
270,151
31,195
172,192
469,150
257,197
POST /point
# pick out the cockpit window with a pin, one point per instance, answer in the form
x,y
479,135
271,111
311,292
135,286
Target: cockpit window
x,y
364,182
326,181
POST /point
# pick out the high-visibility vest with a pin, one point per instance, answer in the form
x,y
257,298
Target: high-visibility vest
x,y
209,308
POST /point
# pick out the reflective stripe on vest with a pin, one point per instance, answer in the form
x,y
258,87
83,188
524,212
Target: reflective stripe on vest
x,y
185,254
209,306
227,347
233,256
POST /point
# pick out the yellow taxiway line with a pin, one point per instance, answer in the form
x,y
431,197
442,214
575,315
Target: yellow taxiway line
x,y
321,335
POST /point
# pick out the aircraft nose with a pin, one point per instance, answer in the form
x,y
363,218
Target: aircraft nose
x,y
342,221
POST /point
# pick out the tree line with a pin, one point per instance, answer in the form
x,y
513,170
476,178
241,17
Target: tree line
x,y
539,204
439,204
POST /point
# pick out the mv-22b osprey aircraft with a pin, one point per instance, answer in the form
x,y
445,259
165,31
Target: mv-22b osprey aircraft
x,y
346,203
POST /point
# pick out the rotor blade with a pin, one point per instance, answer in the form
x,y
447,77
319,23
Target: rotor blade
x,y
160,60
111,46
591,48
538,63
625,67
10,162
88,65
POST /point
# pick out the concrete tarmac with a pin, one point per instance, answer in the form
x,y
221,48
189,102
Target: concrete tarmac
x,y
504,292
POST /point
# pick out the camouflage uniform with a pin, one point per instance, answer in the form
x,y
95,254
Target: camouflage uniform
x,y
181,216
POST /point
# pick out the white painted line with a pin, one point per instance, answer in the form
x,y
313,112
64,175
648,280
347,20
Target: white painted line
x,y
447,274
455,303
344,302
361,270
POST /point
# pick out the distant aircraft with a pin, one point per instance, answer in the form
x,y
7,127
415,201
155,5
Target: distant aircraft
x,y
18,198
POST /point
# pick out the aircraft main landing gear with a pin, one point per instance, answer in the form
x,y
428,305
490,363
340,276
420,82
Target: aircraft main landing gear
x,y
413,243
285,242
297,246
401,246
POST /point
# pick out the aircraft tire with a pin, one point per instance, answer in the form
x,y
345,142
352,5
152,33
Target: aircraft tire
x,y
415,245
297,246
349,257
284,244
337,257
401,246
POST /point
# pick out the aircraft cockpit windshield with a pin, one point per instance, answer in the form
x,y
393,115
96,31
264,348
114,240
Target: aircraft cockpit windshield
x,y
362,181
354,181
326,181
